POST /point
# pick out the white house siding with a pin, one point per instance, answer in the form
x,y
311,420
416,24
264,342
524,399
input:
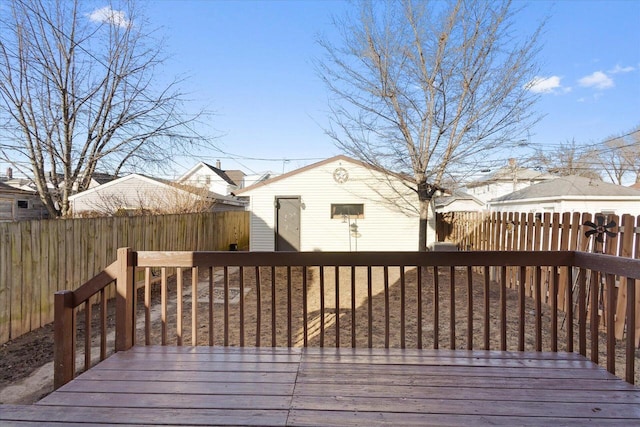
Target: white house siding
x,y
130,192
384,227
199,178
602,204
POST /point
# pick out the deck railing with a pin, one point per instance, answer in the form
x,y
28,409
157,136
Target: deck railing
x,y
508,301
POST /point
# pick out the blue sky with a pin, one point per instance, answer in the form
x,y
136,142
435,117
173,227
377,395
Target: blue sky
x,y
252,64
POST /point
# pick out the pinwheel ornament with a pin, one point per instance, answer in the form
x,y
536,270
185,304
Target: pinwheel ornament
x,y
600,229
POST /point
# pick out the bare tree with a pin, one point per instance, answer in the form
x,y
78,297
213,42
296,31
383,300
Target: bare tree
x,y
79,92
569,158
425,88
620,156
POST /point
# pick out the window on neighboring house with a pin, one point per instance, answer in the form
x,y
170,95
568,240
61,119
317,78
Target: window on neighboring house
x,y
344,210
207,180
23,204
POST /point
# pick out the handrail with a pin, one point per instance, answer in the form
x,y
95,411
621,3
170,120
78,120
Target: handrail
x,y
550,278
66,302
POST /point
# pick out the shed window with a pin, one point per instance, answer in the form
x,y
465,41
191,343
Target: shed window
x,y
23,204
342,210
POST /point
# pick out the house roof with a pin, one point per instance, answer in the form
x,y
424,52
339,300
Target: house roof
x,y
159,182
571,186
441,201
508,174
222,174
236,176
341,157
5,188
103,178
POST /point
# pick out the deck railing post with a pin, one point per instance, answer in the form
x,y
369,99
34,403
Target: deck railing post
x,y
124,300
64,339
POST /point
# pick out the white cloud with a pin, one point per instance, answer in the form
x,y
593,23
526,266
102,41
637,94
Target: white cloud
x,y
599,80
618,69
109,16
545,85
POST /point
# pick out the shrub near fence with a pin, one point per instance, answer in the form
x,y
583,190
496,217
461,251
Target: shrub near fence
x,y
516,231
38,258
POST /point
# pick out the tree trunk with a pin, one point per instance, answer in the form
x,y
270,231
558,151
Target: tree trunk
x,y
424,225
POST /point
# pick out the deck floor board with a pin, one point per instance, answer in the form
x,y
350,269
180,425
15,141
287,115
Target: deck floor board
x,y
340,387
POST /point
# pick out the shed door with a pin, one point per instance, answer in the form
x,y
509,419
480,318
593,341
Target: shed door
x,y
287,223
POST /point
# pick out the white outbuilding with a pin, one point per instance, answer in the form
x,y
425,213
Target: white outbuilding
x,y
338,204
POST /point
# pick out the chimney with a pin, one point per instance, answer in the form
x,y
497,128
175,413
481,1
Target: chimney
x,y
218,163
9,173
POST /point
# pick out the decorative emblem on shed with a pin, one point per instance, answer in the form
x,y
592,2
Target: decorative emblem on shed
x,y
340,175
600,229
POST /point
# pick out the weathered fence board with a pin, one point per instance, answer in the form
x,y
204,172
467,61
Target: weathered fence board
x,y
522,231
38,258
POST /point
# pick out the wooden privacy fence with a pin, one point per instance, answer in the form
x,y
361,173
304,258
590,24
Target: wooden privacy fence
x,y
38,258
516,231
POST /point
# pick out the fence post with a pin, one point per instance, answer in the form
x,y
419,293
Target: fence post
x,y
124,300
64,342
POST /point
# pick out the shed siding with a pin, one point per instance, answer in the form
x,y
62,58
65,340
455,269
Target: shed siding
x,y
385,225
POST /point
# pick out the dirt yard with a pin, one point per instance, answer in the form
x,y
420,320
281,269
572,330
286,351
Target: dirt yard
x,y
21,357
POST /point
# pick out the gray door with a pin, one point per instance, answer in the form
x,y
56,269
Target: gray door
x,y
287,223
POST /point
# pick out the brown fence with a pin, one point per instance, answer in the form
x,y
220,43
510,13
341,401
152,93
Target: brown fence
x,y
515,231
38,258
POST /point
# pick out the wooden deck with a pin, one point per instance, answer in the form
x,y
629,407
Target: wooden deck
x,y
314,386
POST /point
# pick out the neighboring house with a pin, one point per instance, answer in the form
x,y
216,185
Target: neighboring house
x,y
458,201
213,178
138,193
17,204
571,194
339,204
504,181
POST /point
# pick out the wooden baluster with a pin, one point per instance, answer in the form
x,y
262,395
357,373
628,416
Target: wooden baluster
x,y
336,273
503,308
419,321
87,334
163,304
194,306
179,280
469,308
259,305
522,308
211,304
147,306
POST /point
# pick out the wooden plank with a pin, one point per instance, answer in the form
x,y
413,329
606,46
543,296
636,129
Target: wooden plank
x,y
477,407
211,388
5,289
16,281
27,276
452,391
303,417
139,416
626,250
146,400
